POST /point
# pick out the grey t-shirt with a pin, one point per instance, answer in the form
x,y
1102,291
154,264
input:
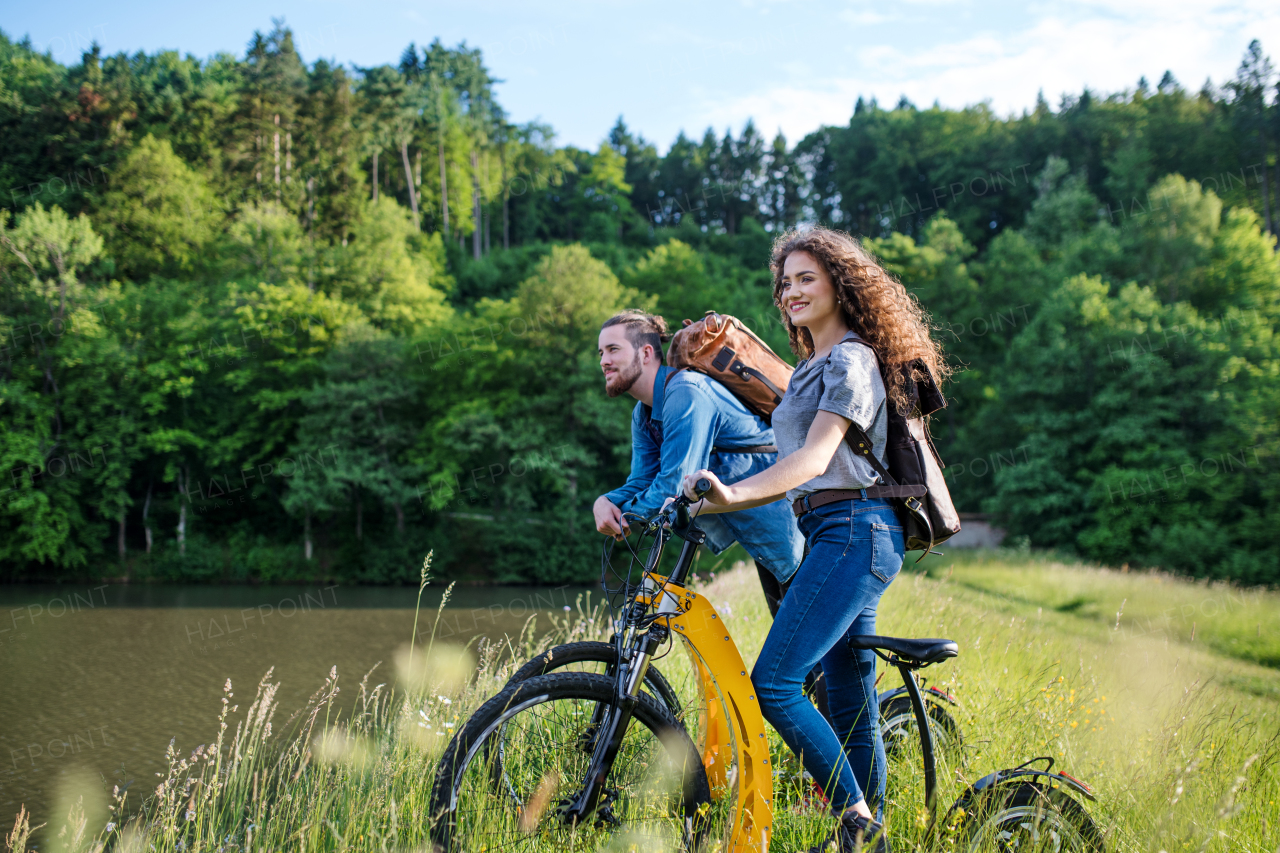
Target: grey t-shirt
x,y
847,382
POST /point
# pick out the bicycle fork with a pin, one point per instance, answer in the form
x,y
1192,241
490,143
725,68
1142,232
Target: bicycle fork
x,y
609,722
607,728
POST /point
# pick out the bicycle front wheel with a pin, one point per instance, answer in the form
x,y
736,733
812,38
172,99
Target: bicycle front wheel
x,y
510,797
602,658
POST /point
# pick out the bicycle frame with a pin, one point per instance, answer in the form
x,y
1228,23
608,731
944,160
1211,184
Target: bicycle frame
x,y
907,670
734,724
733,729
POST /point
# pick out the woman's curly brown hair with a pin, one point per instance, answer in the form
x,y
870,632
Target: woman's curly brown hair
x,y
874,304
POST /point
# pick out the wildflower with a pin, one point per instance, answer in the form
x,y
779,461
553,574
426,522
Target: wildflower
x,y
111,827
566,608
191,815
423,715
445,699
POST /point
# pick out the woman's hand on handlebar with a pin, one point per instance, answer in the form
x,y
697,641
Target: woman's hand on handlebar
x,y
718,495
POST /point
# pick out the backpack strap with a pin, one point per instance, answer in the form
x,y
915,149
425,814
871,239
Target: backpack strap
x,y
911,496
653,428
656,431
745,373
858,440
863,448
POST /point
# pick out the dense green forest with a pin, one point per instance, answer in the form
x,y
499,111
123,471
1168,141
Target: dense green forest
x,y
267,320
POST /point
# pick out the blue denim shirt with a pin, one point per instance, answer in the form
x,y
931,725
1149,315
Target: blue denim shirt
x,y
698,414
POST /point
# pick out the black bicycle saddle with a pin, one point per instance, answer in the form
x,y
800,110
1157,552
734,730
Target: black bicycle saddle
x,y
918,651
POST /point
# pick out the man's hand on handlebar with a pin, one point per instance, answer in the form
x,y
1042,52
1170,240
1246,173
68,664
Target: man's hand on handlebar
x,y
609,519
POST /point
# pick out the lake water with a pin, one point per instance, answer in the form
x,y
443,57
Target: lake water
x,y
97,680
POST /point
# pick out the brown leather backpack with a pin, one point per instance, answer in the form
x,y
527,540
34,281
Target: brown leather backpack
x,y
723,348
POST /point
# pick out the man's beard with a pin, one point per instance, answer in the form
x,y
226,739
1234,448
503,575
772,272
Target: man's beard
x,y
625,378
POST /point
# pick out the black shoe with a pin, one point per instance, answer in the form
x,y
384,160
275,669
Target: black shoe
x,y
855,834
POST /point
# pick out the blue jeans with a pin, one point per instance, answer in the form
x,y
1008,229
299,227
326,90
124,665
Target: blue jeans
x,y
855,550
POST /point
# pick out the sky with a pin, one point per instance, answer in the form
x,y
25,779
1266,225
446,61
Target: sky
x,y
791,65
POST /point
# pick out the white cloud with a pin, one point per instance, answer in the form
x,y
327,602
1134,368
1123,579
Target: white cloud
x,y
863,17
1105,45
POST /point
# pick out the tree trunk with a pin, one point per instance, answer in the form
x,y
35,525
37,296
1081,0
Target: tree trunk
x,y
506,195
276,148
183,482
488,245
146,525
475,205
399,516
408,179
311,204
573,494
120,546
375,176
444,186
306,535
1276,194
359,516
1266,203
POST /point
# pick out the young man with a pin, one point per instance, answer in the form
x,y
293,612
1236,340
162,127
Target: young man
x,y
682,423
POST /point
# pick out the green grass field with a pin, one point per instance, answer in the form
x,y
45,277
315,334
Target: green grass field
x,y
1161,693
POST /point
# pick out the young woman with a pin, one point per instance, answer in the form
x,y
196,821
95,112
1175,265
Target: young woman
x,y
831,292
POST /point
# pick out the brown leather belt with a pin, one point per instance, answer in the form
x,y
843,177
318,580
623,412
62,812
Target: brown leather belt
x,y
822,497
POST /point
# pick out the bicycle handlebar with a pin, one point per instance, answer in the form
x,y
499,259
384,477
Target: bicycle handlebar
x,y
681,503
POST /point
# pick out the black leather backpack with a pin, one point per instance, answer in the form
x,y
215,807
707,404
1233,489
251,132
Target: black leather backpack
x,y
913,480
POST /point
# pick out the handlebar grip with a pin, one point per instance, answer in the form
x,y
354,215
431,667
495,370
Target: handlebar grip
x,y
700,488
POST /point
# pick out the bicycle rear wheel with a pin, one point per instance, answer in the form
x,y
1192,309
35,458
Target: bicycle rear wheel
x,y
899,730
1031,818
507,797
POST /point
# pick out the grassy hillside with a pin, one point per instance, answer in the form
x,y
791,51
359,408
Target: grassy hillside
x,y
1233,621
1179,736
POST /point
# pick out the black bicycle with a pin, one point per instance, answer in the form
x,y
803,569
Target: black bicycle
x,y
1011,811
